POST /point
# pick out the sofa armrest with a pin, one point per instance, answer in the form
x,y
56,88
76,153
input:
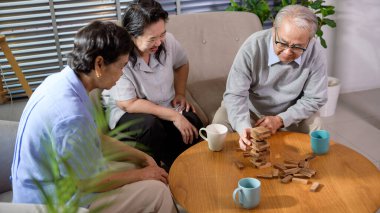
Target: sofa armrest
x,y
8,132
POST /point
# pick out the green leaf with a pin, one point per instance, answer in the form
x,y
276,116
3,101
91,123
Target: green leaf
x,y
323,42
319,33
329,22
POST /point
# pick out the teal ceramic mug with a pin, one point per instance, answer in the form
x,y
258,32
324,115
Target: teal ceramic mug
x,y
320,141
248,191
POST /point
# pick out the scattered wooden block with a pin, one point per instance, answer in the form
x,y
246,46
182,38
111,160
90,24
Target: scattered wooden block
x,y
275,172
289,165
266,176
300,180
279,166
239,164
268,164
314,187
291,162
286,179
292,171
309,157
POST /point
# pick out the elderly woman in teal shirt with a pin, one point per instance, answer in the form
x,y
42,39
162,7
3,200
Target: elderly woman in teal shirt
x,y
152,87
59,116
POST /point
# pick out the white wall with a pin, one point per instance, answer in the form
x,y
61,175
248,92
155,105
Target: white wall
x,y
353,47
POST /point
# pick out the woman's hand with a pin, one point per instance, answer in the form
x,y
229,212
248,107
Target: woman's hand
x,y
182,103
153,173
187,130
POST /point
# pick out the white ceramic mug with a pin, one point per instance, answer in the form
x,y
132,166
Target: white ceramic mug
x,y
216,135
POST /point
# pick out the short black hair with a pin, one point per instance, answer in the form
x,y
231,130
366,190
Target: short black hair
x,y
140,14
99,38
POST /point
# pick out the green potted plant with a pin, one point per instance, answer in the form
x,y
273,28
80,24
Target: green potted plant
x,y
258,7
262,10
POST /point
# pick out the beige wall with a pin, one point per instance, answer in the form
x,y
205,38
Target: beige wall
x,y
354,45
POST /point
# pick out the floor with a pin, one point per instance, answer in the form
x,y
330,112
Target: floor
x,y
356,122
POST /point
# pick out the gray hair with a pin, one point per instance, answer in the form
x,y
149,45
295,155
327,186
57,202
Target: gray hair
x,y
301,16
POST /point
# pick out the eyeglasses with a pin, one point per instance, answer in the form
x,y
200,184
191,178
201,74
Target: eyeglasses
x,y
283,46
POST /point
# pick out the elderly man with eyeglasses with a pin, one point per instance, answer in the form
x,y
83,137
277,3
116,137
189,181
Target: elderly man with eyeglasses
x,y
278,78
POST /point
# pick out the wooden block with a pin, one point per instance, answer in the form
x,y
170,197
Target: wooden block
x,y
291,161
309,157
305,174
300,175
238,164
289,165
266,176
314,187
292,171
257,163
301,163
268,164
275,172
300,180
307,164
279,166
308,170
247,154
261,130
286,179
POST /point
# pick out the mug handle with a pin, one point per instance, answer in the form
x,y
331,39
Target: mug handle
x,y
234,196
201,134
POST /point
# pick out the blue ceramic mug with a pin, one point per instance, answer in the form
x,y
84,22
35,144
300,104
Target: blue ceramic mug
x,y
248,191
320,141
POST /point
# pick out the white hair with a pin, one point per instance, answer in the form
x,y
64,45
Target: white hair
x,y
301,16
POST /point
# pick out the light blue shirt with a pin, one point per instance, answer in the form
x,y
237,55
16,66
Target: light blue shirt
x,y
59,116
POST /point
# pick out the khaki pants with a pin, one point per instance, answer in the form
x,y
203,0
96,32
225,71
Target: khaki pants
x,y
312,123
142,196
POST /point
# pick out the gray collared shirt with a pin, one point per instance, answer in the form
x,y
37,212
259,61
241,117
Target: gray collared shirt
x,y
265,86
153,82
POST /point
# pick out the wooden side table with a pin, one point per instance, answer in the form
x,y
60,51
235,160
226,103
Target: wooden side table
x,y
203,181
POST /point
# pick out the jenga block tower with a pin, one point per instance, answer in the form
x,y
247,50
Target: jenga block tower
x,y
260,147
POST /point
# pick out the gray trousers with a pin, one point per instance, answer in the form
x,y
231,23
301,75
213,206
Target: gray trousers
x,y
312,123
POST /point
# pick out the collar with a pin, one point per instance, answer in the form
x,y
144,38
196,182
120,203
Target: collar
x,y
273,58
77,86
143,66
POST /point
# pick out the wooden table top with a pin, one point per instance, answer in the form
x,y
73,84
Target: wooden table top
x,y
203,181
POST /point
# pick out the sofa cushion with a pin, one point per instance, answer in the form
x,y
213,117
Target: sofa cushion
x,y
211,40
8,131
208,95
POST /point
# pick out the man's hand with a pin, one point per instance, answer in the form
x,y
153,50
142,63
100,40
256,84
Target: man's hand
x,y
245,137
273,123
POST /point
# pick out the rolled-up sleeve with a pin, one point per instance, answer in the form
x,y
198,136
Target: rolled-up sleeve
x,y
124,89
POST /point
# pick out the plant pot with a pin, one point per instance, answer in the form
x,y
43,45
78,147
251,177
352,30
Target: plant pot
x,y
333,93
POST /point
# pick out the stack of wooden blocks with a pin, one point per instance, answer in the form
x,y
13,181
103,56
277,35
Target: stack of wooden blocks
x,y
260,148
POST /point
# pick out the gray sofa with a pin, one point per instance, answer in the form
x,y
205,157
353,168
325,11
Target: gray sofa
x,y
8,130
211,41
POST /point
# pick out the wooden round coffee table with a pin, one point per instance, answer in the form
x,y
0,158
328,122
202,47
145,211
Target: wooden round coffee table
x,y
203,181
